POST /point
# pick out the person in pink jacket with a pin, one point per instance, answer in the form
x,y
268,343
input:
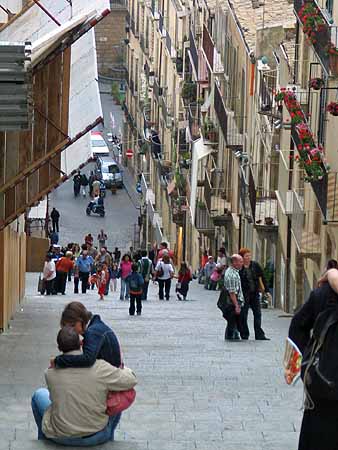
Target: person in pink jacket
x,y
125,270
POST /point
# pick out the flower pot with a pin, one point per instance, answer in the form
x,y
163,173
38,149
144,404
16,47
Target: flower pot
x,y
268,221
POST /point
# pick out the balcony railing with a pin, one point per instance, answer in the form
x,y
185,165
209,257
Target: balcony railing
x,y
154,9
303,230
265,210
218,206
193,51
157,89
156,147
210,132
167,109
183,145
133,25
161,24
208,47
118,4
231,126
321,34
203,222
179,209
194,119
143,44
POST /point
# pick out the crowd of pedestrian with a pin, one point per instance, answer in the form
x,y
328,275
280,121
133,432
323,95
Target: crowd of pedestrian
x,y
95,267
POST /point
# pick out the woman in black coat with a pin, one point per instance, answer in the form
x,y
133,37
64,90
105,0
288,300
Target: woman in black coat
x,y
319,429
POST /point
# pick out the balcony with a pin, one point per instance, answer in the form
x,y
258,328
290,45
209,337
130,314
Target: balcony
x,y
144,44
303,230
167,110
322,35
154,9
194,119
210,132
179,209
156,147
161,25
266,211
183,145
157,90
231,126
133,25
326,191
218,206
193,54
203,222
208,47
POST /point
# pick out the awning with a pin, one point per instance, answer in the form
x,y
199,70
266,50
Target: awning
x,y
199,151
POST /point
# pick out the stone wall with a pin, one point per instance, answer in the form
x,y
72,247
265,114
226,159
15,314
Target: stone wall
x,y
110,34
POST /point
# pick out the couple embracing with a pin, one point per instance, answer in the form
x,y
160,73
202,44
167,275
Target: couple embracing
x,y
88,386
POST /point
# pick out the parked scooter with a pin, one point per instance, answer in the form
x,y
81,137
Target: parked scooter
x,y
95,208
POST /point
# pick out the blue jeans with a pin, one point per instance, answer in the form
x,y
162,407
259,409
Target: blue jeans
x,y
41,401
124,290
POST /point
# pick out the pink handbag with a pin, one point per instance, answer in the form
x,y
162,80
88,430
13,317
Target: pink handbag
x,y
119,401
215,276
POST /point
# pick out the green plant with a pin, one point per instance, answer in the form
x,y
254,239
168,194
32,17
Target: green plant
x,y
189,91
200,204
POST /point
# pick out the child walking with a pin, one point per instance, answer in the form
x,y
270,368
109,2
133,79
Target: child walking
x,y
135,283
184,278
114,274
102,280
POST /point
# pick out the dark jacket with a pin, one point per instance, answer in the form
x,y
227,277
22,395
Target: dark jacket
x,y
257,273
100,342
304,320
55,215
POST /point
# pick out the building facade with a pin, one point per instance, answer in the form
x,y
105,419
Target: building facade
x,y
215,142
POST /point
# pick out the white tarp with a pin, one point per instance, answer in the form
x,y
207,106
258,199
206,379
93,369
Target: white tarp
x,y
199,151
85,105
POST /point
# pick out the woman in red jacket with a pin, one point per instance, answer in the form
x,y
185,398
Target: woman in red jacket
x,y
184,278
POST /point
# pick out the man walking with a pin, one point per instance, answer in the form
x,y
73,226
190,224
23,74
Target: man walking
x,y
102,237
233,290
55,216
253,282
84,265
145,268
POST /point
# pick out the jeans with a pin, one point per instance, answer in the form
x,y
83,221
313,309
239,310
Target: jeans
x,y
135,298
252,301
145,290
234,323
124,290
84,276
164,285
41,401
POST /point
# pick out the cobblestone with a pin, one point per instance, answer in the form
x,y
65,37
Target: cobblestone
x,y
195,391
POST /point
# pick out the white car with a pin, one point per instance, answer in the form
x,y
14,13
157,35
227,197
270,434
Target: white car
x,y
99,146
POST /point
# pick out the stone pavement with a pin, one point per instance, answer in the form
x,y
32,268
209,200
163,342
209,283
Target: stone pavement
x,y
195,391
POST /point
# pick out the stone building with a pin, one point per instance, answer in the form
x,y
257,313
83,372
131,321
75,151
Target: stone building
x,y
110,41
37,153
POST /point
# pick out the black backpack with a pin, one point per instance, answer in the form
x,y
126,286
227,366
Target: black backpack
x,y
319,369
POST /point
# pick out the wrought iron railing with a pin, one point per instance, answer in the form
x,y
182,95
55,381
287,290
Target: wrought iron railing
x,y
193,50
208,47
157,89
323,34
194,119
143,44
216,200
203,222
132,25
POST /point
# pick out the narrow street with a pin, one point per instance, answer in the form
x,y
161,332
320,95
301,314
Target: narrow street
x,y
194,391
121,209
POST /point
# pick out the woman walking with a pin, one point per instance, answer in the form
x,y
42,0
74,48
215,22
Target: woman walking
x,y
184,278
114,274
164,274
125,270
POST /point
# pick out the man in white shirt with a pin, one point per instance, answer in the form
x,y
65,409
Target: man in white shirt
x,y
72,411
49,274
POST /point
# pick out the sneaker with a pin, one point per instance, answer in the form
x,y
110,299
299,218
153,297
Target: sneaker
x,y
179,297
263,338
138,313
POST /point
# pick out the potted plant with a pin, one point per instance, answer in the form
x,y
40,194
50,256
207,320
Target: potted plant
x,y
332,108
316,83
189,91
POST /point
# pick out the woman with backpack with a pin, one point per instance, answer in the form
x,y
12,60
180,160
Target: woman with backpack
x,y
164,273
314,329
135,284
184,278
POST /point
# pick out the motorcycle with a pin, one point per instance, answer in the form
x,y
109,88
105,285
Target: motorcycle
x,y
94,208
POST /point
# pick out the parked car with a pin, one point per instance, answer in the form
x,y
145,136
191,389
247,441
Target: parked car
x,y
99,146
109,172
